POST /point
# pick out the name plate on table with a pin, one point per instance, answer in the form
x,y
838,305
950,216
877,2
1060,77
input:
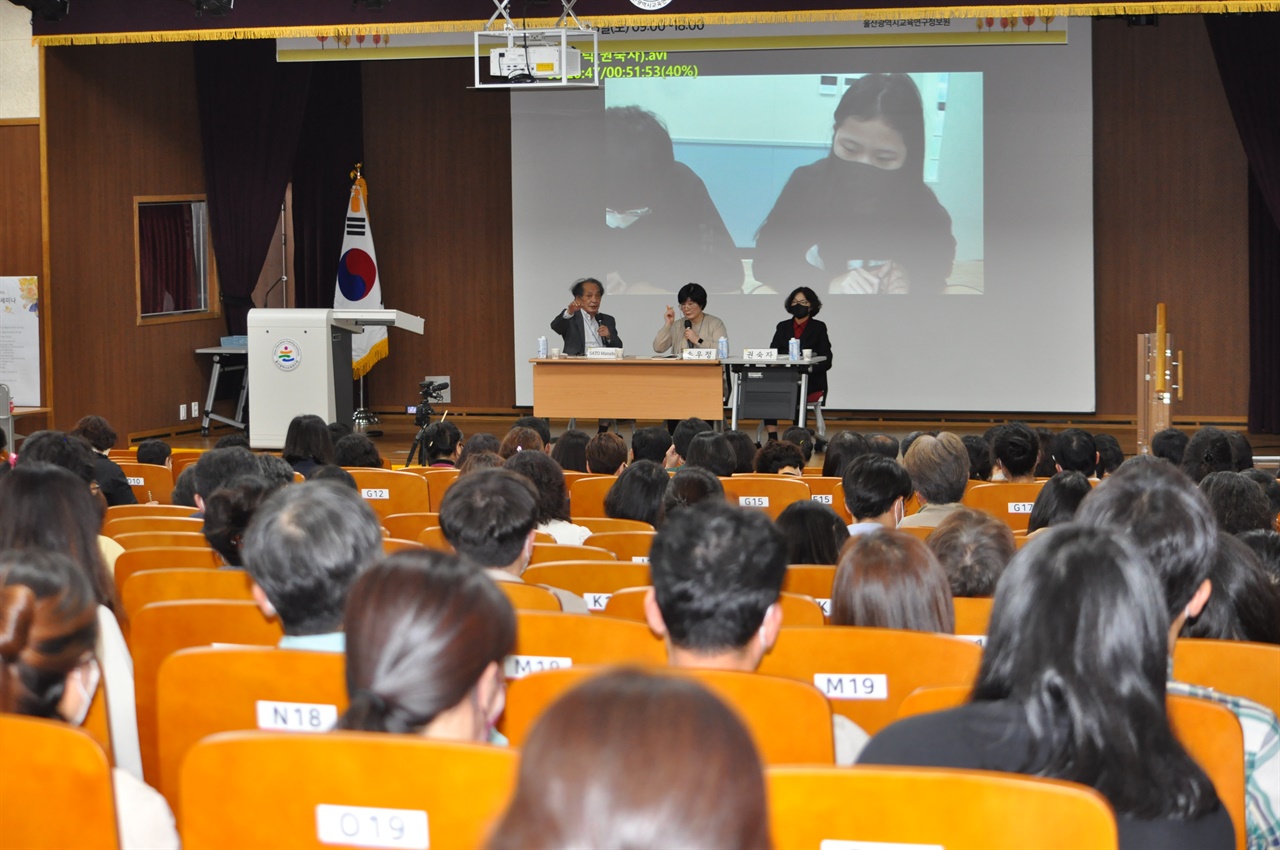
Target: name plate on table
x,y
602,353
700,354
760,354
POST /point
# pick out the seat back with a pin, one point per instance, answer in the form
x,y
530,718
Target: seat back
x,y
409,526
866,673
529,597
921,532
122,511
52,770
934,807
823,489
586,496
550,641
203,691
594,581
433,538
150,483
172,585
973,613
545,552
182,458
1232,667
439,479
125,525
625,545
162,628
797,610
1007,501
275,789
133,561
813,580
598,525
769,493
153,539
391,545
789,721
389,492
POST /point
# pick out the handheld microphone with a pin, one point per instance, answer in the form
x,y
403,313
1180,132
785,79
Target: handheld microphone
x,y
687,324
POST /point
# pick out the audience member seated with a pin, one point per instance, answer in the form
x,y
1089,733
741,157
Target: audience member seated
x,y
691,486
1045,466
717,574
228,512
1170,444
521,439
218,466
1058,501
632,759
443,444
307,444
1110,455
1207,451
606,454
426,637
49,669
912,437
356,450
801,437
1244,604
335,475
1072,687
651,444
973,548
1270,489
681,437
483,442
553,497
1266,546
184,488
841,450
939,469
155,452
570,451
110,477
979,457
712,452
1241,450
890,580
883,444
541,426
489,517
744,449
305,546
813,531
475,461
271,467
1074,451
876,490
638,493
1015,451
779,457
1167,519
337,430
237,440
1237,503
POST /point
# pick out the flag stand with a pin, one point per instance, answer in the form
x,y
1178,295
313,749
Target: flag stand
x,y
362,418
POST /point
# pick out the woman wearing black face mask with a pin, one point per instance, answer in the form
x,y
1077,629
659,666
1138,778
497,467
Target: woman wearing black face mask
x,y
803,304
861,220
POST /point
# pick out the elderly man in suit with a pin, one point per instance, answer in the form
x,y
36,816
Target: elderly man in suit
x,y
582,325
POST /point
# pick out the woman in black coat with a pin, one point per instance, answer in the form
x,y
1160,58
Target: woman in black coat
x,y
803,304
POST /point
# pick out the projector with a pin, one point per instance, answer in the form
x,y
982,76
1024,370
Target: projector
x,y
541,61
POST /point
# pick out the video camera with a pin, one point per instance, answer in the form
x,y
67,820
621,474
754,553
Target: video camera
x,y
429,391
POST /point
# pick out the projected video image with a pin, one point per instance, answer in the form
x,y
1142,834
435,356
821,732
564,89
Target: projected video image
x,y
857,184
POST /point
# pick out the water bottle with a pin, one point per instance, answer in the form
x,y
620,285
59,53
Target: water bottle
x,y
793,349
542,347
722,348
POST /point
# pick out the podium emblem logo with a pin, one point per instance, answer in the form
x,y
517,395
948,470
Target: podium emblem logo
x,y
286,355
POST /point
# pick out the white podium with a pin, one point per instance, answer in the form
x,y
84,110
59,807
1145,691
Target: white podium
x,y
300,362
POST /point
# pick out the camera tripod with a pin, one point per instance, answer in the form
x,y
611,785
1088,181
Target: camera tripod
x,y
422,418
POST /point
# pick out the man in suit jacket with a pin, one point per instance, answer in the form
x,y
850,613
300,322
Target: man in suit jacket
x,y
581,324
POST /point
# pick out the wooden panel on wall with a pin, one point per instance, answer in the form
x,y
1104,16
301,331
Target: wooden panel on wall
x,y
121,121
1171,218
20,212
438,162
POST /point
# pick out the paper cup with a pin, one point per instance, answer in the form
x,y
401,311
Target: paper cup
x,y
555,354
808,354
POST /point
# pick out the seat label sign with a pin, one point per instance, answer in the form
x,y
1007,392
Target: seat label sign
x,y
519,666
296,716
852,685
135,482
364,826
753,501
1021,507
375,493
838,844
597,601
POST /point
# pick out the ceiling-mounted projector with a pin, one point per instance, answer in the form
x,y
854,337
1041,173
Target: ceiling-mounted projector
x,y
540,61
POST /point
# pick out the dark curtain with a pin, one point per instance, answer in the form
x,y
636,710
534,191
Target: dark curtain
x,y
332,143
166,270
250,118
1247,51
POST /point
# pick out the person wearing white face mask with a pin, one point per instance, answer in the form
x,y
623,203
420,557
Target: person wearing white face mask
x,y
48,629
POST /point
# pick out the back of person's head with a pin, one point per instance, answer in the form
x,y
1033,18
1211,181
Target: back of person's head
x,y
606,454
813,531
883,444
356,450
227,513
712,451
912,436
1207,451
184,487
442,440
548,479
305,546
43,506
890,580
686,430
939,468
872,483
97,431
973,548
69,451
979,457
691,486
638,760
426,633
1241,450
1079,641
570,451
1045,466
1170,444
1058,500
271,467
1237,503
744,449
335,475
1270,490
476,461
638,493
841,450
218,466
153,451
1167,520
483,442
1017,448
308,438
1074,450
650,444
234,440
716,569
1110,455
521,439
538,424
803,438
779,457
1266,546
48,627
1244,605
338,430
487,516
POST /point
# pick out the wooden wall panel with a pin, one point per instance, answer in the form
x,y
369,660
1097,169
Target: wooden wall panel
x,y
121,122
20,209
1171,218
